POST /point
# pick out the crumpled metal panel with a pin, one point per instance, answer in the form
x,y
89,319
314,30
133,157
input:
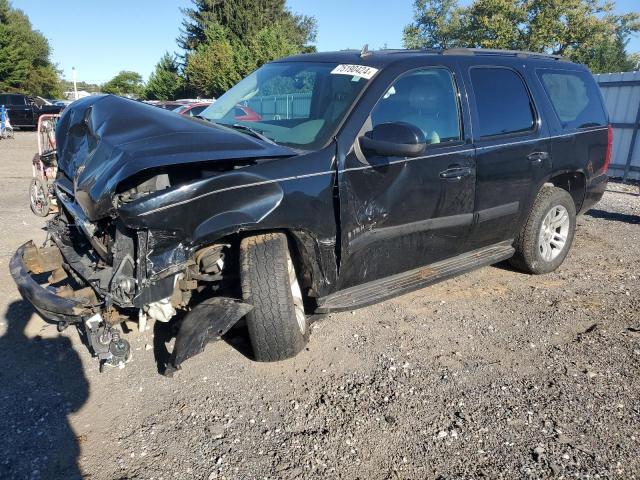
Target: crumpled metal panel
x,y
103,140
208,321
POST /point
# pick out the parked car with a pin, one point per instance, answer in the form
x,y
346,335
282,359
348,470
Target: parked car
x,y
196,100
191,109
24,111
246,114
168,105
406,168
61,103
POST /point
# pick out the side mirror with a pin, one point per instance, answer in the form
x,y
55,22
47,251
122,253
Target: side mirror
x,y
400,139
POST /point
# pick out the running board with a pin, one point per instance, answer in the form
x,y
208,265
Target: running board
x,y
388,287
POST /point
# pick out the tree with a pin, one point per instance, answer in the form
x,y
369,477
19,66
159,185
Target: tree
x,y
610,55
436,25
165,83
24,56
224,40
67,85
125,83
583,30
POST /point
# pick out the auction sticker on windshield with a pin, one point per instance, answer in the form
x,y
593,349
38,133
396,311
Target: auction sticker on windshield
x,y
355,70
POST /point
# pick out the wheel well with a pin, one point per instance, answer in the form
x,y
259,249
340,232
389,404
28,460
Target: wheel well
x,y
301,250
574,183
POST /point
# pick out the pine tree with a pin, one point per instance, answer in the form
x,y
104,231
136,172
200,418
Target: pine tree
x,y
224,40
165,83
24,56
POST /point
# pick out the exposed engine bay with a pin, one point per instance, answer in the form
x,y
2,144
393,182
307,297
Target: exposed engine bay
x,y
115,282
111,261
152,214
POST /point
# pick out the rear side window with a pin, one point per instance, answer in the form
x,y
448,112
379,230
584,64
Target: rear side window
x,y
575,98
17,100
4,99
503,102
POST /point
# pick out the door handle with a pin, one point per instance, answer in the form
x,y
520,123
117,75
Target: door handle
x,y
538,157
455,172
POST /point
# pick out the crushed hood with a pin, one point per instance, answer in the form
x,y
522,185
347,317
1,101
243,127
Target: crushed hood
x,y
103,140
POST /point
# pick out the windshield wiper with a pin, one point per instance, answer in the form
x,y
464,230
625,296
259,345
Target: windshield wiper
x,y
251,131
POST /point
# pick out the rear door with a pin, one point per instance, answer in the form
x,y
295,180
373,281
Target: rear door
x,y
398,213
20,114
513,154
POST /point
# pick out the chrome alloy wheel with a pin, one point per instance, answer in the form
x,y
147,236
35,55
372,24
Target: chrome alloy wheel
x,y
296,293
554,232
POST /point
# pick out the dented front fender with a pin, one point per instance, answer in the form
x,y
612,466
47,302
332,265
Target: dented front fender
x,y
207,209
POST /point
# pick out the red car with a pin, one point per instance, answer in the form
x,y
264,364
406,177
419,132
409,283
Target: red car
x,y
168,105
246,114
242,112
191,109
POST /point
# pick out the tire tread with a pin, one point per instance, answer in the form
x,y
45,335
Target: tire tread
x,y
526,242
272,324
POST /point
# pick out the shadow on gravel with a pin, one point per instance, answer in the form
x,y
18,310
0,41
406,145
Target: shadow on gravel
x,y
238,338
505,265
163,333
41,382
614,216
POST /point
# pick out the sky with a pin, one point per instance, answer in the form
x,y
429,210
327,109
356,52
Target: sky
x,y
102,38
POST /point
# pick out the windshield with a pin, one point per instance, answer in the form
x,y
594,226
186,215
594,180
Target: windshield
x,y
298,104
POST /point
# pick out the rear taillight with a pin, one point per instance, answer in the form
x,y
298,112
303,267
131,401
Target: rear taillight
x,y
607,157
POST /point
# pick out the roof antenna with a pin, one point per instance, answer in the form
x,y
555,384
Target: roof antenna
x,y
365,51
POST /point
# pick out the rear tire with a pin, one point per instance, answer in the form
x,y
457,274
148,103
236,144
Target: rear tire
x,y
278,327
546,237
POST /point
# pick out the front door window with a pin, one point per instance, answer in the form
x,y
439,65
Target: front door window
x,y
425,98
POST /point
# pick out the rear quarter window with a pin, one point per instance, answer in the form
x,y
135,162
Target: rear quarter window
x,y
575,98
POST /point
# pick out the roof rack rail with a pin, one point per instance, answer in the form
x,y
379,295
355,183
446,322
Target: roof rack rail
x,y
432,50
493,51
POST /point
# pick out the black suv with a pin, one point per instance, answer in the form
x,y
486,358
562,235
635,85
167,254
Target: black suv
x,y
354,177
24,111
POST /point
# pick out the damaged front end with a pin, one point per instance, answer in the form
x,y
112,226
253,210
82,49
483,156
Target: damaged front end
x,y
69,282
113,254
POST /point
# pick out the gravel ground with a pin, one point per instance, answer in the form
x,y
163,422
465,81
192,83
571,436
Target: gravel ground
x,y
494,373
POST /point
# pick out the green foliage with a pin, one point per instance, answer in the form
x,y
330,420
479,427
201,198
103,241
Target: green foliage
x,y
165,83
437,24
67,85
584,30
24,56
125,83
224,40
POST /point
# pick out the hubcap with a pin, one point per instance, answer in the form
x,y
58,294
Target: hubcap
x,y
296,293
554,232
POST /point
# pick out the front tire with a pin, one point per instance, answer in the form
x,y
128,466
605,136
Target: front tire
x,y
546,237
278,327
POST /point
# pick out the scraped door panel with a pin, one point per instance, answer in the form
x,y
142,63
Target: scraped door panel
x,y
396,213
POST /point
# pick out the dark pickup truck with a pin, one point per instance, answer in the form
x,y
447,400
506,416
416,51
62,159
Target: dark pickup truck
x,y
24,111
364,175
